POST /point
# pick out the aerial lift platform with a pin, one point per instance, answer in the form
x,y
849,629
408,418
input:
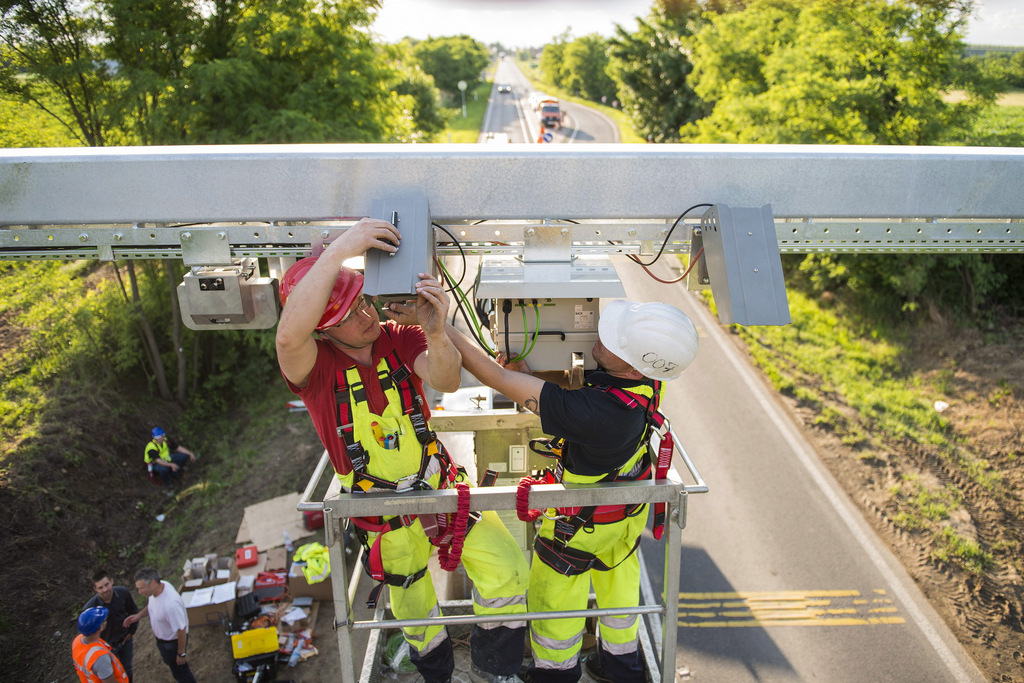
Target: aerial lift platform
x,y
544,224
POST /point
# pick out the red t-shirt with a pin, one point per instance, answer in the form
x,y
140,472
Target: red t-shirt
x,y
408,342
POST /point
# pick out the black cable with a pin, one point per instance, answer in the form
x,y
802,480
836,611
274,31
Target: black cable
x,y
464,266
506,308
669,235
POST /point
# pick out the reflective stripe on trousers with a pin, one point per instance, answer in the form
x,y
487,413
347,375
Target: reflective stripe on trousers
x,y
493,562
556,642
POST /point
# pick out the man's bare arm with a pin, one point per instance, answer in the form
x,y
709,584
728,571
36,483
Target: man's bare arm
x,y
522,388
296,348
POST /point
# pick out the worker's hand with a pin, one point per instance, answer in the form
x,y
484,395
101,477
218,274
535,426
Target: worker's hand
x,y
403,313
174,468
516,365
431,305
368,233
129,620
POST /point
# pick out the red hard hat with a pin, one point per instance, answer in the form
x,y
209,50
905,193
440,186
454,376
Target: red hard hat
x,y
347,288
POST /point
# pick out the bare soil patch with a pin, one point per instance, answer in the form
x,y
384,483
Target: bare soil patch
x,y
983,385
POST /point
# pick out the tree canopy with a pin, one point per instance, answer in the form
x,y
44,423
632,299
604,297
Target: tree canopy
x,y
452,59
652,69
832,71
227,71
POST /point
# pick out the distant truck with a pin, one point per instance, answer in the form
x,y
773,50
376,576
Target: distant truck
x,y
548,111
537,97
550,114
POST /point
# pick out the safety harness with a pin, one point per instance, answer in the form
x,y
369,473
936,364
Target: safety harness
x,y
447,531
556,552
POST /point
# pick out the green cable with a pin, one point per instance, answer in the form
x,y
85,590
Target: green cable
x,y
532,340
471,316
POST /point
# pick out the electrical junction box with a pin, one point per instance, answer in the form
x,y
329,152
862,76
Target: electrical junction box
x,y
742,261
552,334
507,452
393,277
228,298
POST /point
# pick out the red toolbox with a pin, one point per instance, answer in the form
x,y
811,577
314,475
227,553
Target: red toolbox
x,y
313,519
246,557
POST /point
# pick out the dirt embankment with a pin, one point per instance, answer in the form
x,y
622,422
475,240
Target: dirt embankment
x,y
982,384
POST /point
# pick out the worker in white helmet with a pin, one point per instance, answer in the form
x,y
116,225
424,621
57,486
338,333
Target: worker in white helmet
x,y
602,433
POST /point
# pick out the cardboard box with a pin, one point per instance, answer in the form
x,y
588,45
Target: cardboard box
x,y
206,571
293,621
277,559
210,606
299,587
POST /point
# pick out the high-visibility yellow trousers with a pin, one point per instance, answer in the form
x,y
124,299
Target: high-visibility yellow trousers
x,y
556,642
499,572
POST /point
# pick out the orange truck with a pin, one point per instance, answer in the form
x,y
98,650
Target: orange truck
x,y
550,114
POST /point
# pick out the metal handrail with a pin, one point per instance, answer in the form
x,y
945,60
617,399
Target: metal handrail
x,y
670,491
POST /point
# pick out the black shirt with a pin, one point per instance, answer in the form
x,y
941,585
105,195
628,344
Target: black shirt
x,y
121,605
601,433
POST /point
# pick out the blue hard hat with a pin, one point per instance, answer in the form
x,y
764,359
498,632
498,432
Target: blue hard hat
x,y
158,432
91,620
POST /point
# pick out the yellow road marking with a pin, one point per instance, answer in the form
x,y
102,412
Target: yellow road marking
x,y
787,608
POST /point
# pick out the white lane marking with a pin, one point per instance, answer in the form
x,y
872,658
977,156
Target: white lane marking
x,y
809,459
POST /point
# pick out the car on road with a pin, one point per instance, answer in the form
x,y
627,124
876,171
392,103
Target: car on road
x,y
504,87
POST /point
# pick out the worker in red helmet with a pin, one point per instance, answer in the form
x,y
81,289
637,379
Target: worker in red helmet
x,y
362,382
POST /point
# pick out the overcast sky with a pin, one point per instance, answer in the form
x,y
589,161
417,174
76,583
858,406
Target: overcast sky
x,y
532,23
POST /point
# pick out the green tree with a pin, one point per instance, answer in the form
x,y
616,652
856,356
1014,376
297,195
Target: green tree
x,y
152,42
833,71
429,116
552,59
53,59
854,72
651,67
298,71
585,68
452,59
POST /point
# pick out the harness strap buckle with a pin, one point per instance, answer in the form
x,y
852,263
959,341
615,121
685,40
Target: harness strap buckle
x,y
407,483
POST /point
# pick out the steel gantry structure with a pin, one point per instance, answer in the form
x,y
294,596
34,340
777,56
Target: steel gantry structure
x,y
548,218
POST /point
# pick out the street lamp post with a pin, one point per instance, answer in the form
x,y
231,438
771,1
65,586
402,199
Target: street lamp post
x,y
462,87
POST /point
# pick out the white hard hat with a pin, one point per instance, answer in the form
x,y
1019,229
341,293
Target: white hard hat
x,y
657,339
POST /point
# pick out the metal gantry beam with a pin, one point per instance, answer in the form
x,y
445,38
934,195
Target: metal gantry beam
x,y
110,203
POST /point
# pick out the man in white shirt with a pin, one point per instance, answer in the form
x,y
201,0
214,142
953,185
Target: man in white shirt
x,y
168,619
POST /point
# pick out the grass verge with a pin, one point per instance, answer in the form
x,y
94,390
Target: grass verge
x,y
859,387
467,130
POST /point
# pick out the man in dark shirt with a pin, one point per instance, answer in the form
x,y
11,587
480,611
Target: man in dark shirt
x,y
118,600
602,436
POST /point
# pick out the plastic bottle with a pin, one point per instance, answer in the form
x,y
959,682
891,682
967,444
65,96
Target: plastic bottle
x,y
288,545
296,651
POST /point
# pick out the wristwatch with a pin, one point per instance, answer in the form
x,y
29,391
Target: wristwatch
x,y
183,654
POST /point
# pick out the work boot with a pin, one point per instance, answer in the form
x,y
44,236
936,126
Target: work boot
x,y
592,665
478,676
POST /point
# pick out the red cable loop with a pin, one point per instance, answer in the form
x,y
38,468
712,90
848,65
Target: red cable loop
x,y
450,555
523,510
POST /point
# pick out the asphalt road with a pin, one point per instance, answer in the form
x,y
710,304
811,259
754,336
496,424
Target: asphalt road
x,y
781,577
509,113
